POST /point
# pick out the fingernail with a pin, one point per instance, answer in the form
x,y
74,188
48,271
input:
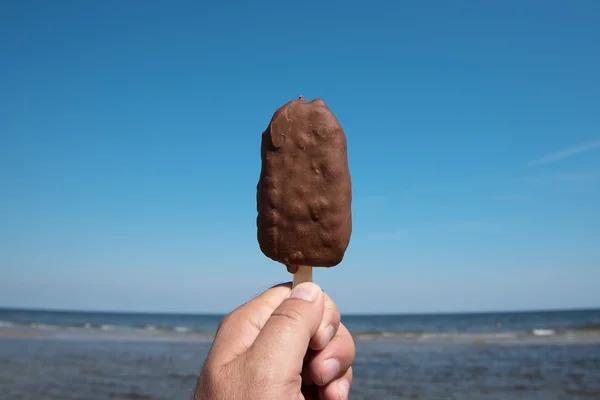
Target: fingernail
x,y
343,389
306,291
331,369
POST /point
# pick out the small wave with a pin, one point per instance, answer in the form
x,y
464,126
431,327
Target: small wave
x,y
386,334
182,329
87,325
543,332
107,327
6,324
151,328
43,327
426,336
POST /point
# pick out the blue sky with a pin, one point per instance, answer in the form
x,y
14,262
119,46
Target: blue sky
x,y
130,136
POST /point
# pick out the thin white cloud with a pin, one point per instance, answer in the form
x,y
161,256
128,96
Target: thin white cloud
x,y
563,177
566,153
575,177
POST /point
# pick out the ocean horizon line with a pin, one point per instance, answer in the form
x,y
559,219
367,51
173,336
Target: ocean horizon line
x,y
347,314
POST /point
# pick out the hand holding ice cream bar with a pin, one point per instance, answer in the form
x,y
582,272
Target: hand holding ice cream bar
x,y
304,194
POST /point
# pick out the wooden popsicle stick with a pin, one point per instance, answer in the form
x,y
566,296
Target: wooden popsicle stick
x,y
304,274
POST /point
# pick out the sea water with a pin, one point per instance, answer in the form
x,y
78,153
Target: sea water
x,y
504,356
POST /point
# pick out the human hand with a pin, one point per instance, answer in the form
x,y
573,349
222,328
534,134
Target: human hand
x,y
283,344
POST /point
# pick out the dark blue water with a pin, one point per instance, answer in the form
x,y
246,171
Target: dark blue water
x,y
499,356
65,319
517,322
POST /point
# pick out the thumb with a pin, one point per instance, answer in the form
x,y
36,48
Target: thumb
x,y
287,333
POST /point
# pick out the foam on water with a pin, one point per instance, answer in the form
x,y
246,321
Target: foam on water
x,y
543,332
571,326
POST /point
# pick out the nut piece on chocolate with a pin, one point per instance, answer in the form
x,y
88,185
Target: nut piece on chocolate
x,y
304,194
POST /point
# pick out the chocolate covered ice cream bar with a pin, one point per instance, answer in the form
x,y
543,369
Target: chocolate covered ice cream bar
x,y
304,194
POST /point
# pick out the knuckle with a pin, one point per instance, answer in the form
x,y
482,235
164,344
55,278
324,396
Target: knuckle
x,y
224,322
259,318
335,318
352,353
332,311
349,347
289,315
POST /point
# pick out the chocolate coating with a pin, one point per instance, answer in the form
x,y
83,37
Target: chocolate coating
x,y
304,194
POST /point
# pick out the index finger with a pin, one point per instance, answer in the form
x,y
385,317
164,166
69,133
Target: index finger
x,y
238,329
